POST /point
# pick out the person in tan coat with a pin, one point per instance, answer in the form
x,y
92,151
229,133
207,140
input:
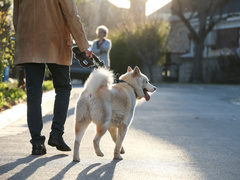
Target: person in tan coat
x,y
44,31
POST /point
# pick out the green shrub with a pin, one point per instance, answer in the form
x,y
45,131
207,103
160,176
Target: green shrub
x,y
10,94
15,94
6,32
3,86
122,55
143,45
2,100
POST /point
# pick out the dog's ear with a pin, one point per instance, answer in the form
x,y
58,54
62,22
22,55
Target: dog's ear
x,y
129,69
136,71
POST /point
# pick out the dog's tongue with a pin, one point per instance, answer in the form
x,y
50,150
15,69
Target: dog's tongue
x,y
146,95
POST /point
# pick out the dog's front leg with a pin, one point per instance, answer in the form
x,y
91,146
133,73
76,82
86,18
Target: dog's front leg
x,y
122,130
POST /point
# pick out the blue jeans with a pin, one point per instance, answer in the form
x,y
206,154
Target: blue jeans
x,y
34,79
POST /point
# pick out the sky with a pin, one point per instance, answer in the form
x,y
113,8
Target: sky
x,y
151,5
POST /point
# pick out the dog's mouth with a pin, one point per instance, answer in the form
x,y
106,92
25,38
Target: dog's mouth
x,y
146,95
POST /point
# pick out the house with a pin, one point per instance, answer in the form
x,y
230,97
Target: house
x,y
221,47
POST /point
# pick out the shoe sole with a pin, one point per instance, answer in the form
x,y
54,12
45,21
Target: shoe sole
x,y
58,148
52,144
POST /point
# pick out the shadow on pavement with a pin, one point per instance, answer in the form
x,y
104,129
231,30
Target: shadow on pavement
x,y
105,172
61,174
7,167
31,168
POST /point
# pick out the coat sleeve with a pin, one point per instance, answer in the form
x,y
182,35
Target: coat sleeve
x,y
75,26
15,14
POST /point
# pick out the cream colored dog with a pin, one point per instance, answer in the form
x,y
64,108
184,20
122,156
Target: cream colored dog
x,y
109,106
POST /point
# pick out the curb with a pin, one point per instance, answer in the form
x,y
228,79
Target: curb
x,y
18,111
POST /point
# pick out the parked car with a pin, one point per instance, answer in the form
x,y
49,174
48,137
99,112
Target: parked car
x,y
77,71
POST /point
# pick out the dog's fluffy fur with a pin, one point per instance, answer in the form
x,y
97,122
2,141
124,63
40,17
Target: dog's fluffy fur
x,y
110,106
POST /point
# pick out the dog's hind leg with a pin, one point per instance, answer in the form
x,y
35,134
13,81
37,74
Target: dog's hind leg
x,y
80,128
101,130
113,132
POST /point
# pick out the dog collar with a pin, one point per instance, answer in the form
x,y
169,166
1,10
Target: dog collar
x,y
122,81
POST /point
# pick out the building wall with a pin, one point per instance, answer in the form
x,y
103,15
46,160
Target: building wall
x,y
178,38
211,70
223,41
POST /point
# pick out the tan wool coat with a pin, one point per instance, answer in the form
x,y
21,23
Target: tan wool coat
x,y
43,31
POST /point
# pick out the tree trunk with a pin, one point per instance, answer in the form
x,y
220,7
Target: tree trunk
x,y
197,73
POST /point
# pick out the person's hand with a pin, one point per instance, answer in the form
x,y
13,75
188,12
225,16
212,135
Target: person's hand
x,y
88,53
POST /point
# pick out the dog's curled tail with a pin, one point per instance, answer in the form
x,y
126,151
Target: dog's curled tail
x,y
100,77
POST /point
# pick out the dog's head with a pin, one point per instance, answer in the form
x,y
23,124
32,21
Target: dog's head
x,y
139,82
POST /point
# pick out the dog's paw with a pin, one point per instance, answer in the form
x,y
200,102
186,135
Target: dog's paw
x,y
101,154
122,151
76,159
118,157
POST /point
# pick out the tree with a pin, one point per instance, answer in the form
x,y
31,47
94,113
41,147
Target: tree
x,y
6,44
149,43
208,13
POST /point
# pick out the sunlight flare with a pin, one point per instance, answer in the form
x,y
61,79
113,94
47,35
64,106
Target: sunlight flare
x,y
151,5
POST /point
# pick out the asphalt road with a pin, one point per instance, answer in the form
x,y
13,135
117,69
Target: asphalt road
x,y
185,132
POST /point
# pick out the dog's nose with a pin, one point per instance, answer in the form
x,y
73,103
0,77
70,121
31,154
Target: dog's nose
x,y
155,88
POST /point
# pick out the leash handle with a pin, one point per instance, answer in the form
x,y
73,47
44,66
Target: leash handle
x,y
85,61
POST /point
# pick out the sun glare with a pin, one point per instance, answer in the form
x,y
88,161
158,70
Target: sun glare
x,y
151,5
121,3
154,5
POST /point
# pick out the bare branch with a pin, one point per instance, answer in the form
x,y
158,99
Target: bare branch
x,y
187,23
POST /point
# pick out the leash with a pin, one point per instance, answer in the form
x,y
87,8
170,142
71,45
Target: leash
x,y
86,62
